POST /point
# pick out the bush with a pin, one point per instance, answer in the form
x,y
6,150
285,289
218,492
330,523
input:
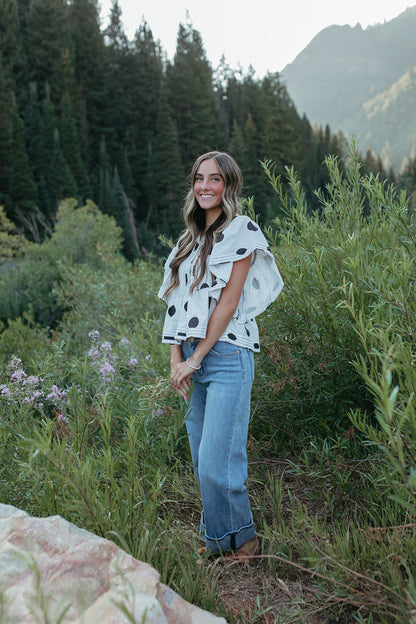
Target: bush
x,y
349,264
82,236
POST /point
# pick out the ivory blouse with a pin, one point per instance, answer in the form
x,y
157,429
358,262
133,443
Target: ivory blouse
x,y
188,312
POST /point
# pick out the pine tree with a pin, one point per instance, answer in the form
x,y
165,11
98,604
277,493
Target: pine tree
x,y
48,42
118,62
104,186
89,55
71,147
125,219
192,97
62,180
6,99
22,187
125,173
10,43
168,171
115,37
145,77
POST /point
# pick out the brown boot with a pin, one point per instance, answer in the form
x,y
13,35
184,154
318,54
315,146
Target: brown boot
x,y
246,552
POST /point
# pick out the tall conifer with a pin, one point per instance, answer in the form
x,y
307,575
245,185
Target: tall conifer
x,y
192,97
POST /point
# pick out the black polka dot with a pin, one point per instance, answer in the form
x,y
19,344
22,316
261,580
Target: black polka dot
x,y
204,285
172,310
241,251
256,283
186,279
185,307
256,345
214,283
196,246
232,336
252,226
247,332
220,238
268,248
194,322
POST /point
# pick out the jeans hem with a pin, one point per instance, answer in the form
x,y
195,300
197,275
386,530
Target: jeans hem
x,y
231,540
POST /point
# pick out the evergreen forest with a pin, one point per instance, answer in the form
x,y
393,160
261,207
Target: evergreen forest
x,y
86,113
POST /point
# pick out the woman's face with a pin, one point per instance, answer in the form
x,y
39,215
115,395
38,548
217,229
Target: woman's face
x,y
208,188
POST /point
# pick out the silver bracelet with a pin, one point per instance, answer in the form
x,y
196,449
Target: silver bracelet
x,y
193,367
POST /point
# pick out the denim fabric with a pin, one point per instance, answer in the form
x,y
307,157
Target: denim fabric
x,y
217,424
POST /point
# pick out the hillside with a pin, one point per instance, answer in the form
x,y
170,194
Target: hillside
x,y
361,81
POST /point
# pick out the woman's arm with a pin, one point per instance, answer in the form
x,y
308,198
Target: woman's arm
x,y
220,317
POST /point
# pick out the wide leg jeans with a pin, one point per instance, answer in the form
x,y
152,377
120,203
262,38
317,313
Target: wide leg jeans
x,y
217,425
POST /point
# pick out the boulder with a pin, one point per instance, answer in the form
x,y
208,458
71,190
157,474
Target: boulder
x,y
53,571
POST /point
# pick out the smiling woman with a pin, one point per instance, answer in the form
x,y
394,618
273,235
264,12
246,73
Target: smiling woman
x,y
218,278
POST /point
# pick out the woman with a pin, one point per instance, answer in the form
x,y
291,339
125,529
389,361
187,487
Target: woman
x,y
220,275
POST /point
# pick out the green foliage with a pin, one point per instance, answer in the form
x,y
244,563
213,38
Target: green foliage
x,y
82,235
338,260
10,242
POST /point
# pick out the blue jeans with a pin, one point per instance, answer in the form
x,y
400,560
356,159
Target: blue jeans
x,y
217,424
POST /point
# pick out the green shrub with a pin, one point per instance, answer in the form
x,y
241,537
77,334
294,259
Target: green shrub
x,y
81,236
330,261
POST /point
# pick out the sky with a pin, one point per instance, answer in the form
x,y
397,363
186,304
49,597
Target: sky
x,y
268,34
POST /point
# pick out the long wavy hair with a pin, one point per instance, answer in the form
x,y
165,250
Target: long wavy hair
x,y
194,216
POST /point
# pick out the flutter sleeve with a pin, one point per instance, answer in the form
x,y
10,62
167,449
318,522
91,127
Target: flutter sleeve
x,y
167,275
263,284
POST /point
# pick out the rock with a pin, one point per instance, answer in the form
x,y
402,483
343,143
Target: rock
x,y
52,571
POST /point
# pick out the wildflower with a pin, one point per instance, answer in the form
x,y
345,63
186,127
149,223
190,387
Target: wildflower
x,y
124,341
62,419
106,346
56,394
18,375
31,381
94,334
37,394
148,357
15,362
107,371
93,353
133,361
158,413
5,391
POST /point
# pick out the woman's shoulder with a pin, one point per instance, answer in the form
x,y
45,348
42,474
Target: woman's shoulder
x,y
243,228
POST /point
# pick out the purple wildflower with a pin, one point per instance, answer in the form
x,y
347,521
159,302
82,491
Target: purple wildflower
x,y
107,371
18,375
133,361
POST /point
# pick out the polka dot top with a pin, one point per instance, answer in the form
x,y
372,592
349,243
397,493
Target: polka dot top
x,y
188,312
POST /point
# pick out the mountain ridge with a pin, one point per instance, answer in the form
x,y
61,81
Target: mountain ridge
x,y
339,75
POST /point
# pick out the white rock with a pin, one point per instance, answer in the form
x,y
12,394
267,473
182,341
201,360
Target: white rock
x,y
50,568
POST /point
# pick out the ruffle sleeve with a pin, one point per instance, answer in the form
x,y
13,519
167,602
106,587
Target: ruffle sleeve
x,y
167,275
263,284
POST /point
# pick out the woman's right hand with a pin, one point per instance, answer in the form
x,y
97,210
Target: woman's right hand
x,y
180,378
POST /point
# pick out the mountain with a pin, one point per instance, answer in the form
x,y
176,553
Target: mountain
x,y
363,82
